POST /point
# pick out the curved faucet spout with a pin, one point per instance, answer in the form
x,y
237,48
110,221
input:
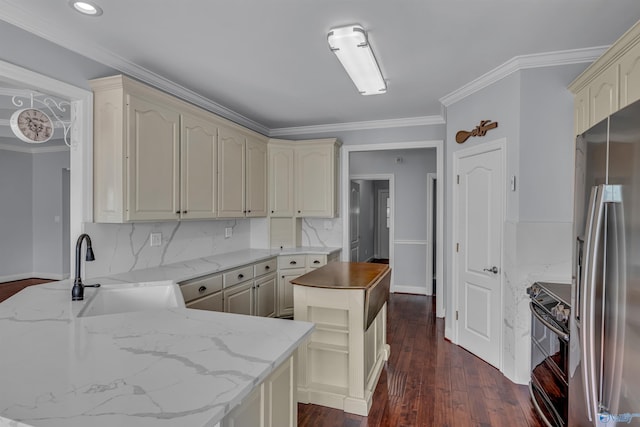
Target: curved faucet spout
x,y
77,293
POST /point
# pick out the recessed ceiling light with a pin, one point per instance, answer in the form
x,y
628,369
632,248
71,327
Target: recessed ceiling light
x,y
86,7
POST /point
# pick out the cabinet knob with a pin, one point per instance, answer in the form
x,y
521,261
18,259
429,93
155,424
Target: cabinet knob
x,y
272,211
240,276
293,263
177,212
201,289
316,262
298,211
184,212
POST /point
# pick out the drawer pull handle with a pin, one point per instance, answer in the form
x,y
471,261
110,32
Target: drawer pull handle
x,y
240,276
316,262
266,267
201,289
293,263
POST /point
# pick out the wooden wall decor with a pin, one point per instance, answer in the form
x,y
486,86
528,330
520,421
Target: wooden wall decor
x,y
480,130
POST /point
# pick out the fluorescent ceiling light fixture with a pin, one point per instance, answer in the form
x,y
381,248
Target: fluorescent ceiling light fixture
x,y
351,46
86,7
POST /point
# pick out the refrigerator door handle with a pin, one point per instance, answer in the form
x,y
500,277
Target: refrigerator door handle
x,y
587,291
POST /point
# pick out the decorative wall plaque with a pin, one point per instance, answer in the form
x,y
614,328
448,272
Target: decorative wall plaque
x,y
480,130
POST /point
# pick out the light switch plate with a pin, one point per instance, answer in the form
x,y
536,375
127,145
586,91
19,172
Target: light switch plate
x,y
155,239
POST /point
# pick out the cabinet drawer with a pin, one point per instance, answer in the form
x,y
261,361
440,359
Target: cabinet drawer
x,y
315,261
264,267
211,302
238,275
291,261
201,287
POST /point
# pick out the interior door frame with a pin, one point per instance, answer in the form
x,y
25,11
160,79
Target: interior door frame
x,y
499,144
81,134
377,244
346,150
431,177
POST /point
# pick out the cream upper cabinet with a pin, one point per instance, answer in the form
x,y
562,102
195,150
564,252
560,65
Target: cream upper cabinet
x,y
153,156
281,179
198,195
630,76
242,175
231,173
156,158
603,95
609,84
315,179
256,176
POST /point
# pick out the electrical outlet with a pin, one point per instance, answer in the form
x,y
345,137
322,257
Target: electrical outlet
x,y
155,239
228,232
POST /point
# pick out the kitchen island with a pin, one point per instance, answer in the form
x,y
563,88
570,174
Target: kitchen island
x,y
164,367
340,364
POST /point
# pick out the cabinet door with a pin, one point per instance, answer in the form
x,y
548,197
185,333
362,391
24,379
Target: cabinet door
x,y
630,76
281,403
281,181
266,292
256,191
231,173
239,299
315,181
581,111
249,412
152,160
198,149
211,302
285,291
603,95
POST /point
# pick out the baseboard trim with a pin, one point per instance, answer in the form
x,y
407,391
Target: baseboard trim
x,y
32,275
417,290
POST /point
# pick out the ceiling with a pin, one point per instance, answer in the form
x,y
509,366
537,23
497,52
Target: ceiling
x,y
269,60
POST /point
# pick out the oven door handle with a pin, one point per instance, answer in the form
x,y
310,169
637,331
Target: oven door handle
x,y
559,332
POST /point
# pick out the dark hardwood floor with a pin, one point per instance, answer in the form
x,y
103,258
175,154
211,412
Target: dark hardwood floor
x,y
430,382
7,289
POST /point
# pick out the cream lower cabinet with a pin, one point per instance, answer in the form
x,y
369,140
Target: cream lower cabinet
x,y
266,295
242,175
272,404
239,299
285,291
203,293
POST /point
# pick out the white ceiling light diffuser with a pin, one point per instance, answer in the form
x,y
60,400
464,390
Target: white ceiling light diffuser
x,y
351,46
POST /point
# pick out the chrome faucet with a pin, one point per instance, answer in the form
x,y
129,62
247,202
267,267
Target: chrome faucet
x,y
77,293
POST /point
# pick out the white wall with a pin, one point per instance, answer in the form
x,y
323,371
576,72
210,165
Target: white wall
x,y
535,115
16,206
48,220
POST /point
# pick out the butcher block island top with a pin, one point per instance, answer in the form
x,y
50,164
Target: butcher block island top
x,y
344,275
341,362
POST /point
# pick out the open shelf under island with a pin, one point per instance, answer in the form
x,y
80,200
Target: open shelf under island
x,y
340,364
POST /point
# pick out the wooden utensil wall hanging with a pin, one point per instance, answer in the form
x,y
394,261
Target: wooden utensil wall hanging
x,y
480,130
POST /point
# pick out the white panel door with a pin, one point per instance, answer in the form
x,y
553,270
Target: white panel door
x,y
479,284
354,220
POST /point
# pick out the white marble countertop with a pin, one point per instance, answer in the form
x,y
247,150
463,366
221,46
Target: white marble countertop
x,y
171,367
181,271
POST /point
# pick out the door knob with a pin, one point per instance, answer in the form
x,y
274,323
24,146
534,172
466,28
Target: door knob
x,y
493,269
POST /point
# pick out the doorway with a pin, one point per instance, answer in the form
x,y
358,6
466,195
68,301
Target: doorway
x,y
407,246
370,222
81,135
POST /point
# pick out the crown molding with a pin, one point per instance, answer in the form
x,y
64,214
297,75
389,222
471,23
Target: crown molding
x,y
33,150
355,126
54,33
522,62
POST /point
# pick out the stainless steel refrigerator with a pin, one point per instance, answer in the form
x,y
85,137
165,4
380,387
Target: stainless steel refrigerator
x,y
604,348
